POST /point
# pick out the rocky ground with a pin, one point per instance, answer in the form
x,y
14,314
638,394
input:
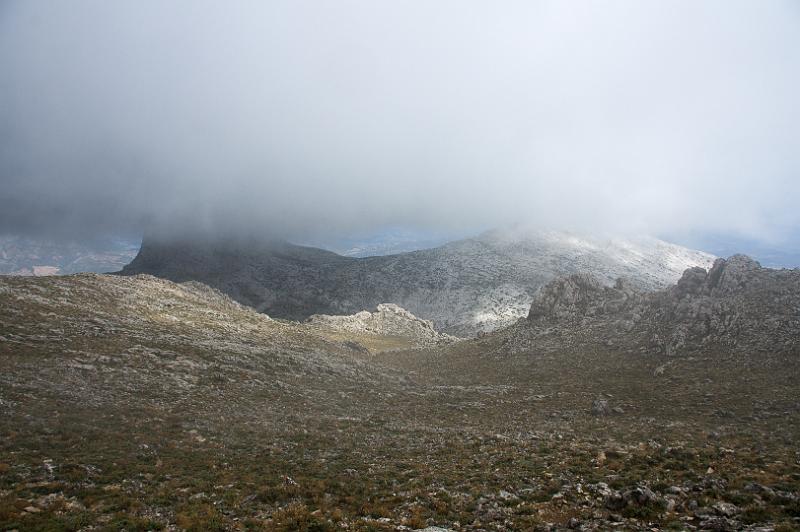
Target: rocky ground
x,y
388,324
735,306
139,404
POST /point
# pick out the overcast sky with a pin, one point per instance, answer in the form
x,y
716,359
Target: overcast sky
x,y
311,117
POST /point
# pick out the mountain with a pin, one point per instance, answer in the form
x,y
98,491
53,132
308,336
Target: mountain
x,y
136,403
37,256
464,287
737,306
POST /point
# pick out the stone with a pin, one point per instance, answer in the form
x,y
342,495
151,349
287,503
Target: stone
x,y
507,496
641,496
613,500
726,509
600,407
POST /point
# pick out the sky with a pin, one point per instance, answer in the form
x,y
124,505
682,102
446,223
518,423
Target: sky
x,y
305,119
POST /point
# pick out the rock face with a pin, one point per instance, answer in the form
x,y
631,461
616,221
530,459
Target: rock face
x,y
465,287
737,305
387,320
580,295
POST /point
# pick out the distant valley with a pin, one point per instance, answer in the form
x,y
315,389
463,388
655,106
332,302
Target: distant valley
x,y
50,256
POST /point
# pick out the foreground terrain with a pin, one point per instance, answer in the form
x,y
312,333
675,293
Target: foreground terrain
x,y
136,403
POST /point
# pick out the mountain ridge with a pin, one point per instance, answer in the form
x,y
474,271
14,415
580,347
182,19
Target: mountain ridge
x,y
465,287
736,305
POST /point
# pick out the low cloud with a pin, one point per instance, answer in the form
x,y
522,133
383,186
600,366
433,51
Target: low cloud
x,y
311,118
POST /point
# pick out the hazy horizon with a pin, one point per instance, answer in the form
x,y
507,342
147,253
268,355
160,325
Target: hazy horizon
x,y
393,240
317,122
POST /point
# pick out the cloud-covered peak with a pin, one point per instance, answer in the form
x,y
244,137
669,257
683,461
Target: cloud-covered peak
x,y
302,118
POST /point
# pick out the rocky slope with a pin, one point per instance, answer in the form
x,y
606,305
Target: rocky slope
x,y
736,305
388,321
464,287
140,404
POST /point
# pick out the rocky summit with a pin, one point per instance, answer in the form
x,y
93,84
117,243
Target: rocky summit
x,y
736,305
465,287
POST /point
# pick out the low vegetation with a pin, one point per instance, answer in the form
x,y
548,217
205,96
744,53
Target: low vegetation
x,y
139,404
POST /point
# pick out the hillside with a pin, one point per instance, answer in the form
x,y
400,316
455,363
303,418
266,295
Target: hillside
x,y
138,403
736,306
468,286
